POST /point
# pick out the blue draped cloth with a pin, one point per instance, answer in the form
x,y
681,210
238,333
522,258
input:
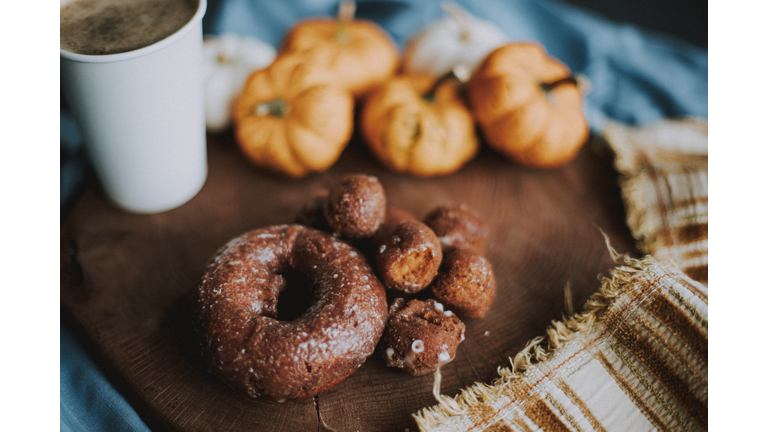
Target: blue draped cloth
x,y
636,77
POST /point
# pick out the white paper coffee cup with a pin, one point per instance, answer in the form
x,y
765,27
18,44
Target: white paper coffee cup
x,y
142,117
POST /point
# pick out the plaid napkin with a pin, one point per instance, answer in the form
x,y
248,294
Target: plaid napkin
x,y
637,358
664,179
634,360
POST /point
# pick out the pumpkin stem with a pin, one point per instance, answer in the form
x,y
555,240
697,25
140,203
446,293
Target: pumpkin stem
x,y
275,107
547,87
460,16
345,16
460,73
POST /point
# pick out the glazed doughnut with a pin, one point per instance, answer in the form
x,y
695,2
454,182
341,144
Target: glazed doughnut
x,y
244,344
458,227
420,337
409,257
356,206
465,283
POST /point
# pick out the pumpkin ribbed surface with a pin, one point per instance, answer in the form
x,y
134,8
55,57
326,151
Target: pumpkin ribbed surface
x,y
418,135
360,54
528,107
290,120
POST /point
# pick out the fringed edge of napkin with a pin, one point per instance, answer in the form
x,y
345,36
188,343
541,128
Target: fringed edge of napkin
x,y
540,348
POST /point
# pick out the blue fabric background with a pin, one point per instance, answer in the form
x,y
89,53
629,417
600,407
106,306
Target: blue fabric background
x,y
637,77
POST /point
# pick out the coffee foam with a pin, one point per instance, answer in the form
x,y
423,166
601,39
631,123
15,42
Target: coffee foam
x,y
99,27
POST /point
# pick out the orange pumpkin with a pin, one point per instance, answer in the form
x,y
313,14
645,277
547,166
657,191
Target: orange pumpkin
x,y
360,53
528,106
418,125
290,120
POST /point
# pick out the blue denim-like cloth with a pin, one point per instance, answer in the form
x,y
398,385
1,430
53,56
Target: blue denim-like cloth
x,y
637,77
88,401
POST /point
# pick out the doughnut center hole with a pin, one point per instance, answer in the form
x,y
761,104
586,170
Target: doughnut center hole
x,y
297,296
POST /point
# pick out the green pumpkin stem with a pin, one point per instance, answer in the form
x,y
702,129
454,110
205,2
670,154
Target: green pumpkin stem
x,y
548,87
275,108
346,15
459,73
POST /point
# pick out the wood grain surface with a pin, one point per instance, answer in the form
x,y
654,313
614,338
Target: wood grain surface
x,y
126,281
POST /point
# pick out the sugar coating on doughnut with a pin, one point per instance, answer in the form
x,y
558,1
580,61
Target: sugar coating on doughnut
x,y
244,344
356,206
409,258
458,227
420,336
465,283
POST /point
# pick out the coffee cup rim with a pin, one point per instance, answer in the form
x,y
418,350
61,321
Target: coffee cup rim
x,y
110,58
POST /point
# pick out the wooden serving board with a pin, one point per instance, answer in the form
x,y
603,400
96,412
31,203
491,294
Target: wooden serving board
x,y
126,280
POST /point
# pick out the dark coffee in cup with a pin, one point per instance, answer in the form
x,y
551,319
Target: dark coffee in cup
x,y
99,27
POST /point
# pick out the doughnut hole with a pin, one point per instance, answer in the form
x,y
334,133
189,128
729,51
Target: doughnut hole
x,y
409,258
420,337
458,227
465,283
356,206
394,217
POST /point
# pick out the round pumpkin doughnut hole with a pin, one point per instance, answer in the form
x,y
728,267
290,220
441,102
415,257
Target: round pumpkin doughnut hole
x,y
409,258
394,217
458,227
465,284
356,206
420,336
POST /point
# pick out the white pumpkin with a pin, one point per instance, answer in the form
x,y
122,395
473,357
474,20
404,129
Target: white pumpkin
x,y
228,60
459,38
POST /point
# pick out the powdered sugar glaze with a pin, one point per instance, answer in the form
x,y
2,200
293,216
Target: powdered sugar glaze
x,y
249,349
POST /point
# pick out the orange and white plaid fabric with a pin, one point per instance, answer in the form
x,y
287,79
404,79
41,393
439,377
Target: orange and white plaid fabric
x,y
634,360
664,183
